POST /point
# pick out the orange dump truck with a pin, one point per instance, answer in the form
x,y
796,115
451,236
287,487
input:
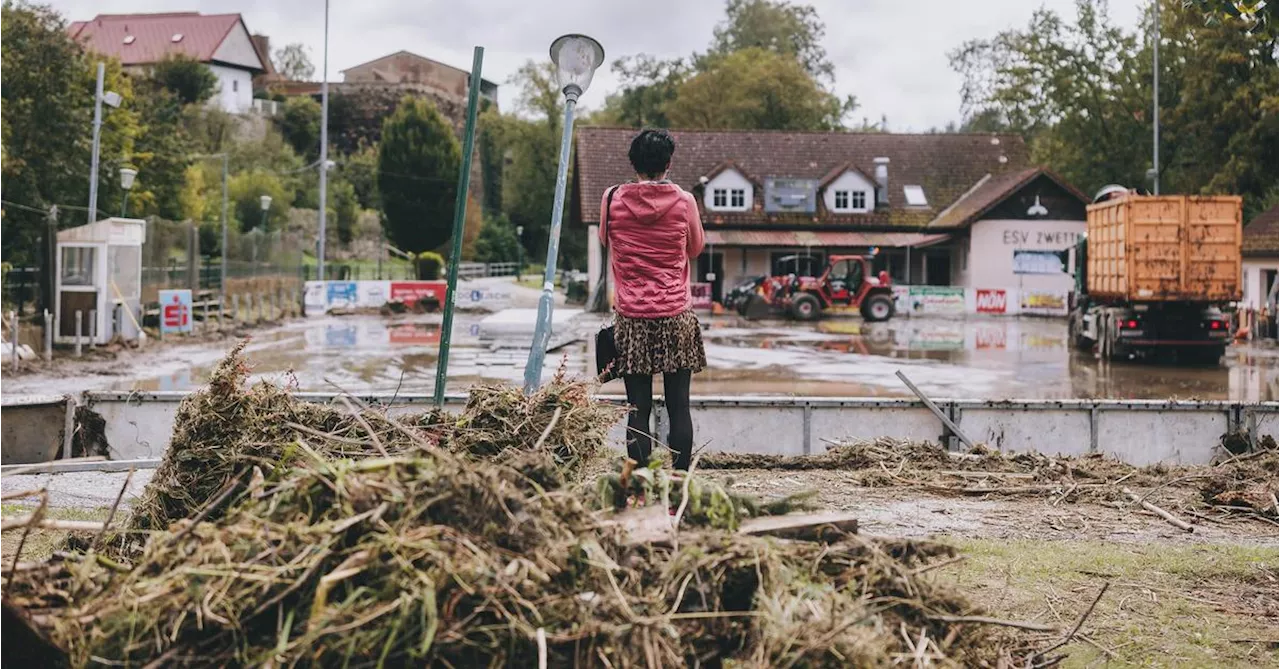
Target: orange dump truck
x,y
1154,274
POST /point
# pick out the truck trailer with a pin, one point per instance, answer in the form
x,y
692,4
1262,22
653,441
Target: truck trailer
x,y
1156,274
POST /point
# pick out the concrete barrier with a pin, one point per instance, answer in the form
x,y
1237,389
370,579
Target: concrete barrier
x,y
34,427
1141,432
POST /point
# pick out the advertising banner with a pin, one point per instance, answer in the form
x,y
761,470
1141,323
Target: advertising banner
x,y
175,311
1039,262
477,295
1044,303
937,300
341,295
416,291
313,298
992,301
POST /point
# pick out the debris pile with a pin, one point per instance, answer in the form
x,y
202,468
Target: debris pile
x,y
1246,482
326,537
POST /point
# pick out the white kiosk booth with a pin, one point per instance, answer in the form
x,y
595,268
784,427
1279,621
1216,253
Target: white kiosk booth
x,y
99,274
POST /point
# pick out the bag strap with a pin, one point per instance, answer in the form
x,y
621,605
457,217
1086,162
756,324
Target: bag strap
x,y
608,204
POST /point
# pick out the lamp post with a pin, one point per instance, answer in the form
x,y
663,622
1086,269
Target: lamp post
x,y
112,99
576,58
266,206
519,253
324,147
127,175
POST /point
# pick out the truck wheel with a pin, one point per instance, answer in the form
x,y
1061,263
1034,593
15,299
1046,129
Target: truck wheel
x,y
1074,332
805,307
877,308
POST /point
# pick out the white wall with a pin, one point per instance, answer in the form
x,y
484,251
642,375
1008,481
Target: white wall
x,y
850,181
1255,280
235,92
729,180
991,247
237,49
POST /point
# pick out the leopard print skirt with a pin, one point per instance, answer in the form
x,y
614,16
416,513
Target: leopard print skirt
x,y
658,345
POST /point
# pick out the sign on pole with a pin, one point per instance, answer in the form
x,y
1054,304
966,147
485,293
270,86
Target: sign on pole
x,y
175,311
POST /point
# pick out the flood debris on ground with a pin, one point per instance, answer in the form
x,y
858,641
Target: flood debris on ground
x,y
278,533
1242,484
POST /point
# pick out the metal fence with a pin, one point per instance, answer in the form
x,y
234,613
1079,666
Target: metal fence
x,y
478,270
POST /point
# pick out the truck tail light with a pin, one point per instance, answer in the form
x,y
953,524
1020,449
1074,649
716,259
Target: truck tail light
x,y
1217,325
1131,324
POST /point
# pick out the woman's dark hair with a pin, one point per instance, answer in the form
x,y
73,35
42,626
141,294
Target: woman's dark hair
x,y
651,151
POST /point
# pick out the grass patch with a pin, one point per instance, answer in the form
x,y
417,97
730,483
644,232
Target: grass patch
x,y
41,543
1190,606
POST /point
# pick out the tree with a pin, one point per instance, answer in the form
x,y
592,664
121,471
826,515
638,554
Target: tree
x,y
361,170
189,79
647,86
46,111
498,241
246,190
300,125
418,162
160,153
756,89
779,27
531,141
294,63
344,209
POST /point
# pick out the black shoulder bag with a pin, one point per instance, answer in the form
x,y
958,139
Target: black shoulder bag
x,y
606,346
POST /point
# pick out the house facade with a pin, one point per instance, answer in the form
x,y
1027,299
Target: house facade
x,y
1261,248
964,212
220,41
403,67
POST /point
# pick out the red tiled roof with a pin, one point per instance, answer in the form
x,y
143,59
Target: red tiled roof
x,y
1262,235
990,192
824,239
153,35
946,166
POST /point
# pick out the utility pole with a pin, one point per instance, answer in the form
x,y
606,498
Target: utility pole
x,y
1155,100
97,131
324,144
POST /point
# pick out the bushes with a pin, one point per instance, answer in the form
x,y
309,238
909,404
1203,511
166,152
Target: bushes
x,y
429,264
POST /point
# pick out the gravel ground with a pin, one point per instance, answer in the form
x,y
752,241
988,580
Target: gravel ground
x,y
79,490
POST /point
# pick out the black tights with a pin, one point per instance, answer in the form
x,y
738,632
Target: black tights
x,y
675,387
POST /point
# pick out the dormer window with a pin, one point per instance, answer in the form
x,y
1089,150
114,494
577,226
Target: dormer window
x,y
728,190
850,201
848,190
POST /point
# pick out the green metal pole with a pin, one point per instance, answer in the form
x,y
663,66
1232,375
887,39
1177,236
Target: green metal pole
x,y
459,223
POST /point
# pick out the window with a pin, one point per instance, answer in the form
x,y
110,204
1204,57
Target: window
x,y
77,265
235,86
738,198
915,196
718,197
851,200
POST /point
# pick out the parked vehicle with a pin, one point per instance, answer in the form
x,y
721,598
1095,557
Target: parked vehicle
x,y
845,284
1155,273
740,296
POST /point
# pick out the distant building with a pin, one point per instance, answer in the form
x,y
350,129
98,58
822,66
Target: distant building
x,y
1261,248
966,210
403,67
220,41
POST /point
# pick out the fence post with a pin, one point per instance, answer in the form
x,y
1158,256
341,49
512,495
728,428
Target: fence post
x,y
13,342
48,336
235,309
93,326
206,313
79,331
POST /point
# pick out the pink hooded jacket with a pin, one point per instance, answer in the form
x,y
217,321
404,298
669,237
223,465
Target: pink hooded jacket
x,y
653,231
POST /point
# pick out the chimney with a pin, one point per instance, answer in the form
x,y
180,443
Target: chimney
x,y
263,44
882,181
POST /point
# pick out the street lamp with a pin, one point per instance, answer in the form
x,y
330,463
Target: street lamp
x,y
127,175
266,205
576,58
112,99
519,253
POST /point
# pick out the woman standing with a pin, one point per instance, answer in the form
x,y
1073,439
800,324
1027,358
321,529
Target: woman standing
x,y
652,230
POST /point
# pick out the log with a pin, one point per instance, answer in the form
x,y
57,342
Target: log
x,y
53,524
819,527
1173,520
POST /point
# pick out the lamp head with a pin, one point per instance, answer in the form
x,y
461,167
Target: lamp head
x,y
266,202
127,175
576,58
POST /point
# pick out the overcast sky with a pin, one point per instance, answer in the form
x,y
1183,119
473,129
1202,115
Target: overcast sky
x,y
891,54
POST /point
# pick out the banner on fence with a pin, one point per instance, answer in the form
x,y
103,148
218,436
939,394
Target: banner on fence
x,y
992,301
1044,303
175,311
482,295
937,299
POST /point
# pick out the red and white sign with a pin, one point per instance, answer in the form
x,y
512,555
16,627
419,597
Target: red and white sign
x,y
992,301
175,311
416,291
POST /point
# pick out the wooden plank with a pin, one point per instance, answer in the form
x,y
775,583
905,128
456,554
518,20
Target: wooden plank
x,y
822,527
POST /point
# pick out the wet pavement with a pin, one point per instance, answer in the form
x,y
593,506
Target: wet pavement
x,y
986,358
